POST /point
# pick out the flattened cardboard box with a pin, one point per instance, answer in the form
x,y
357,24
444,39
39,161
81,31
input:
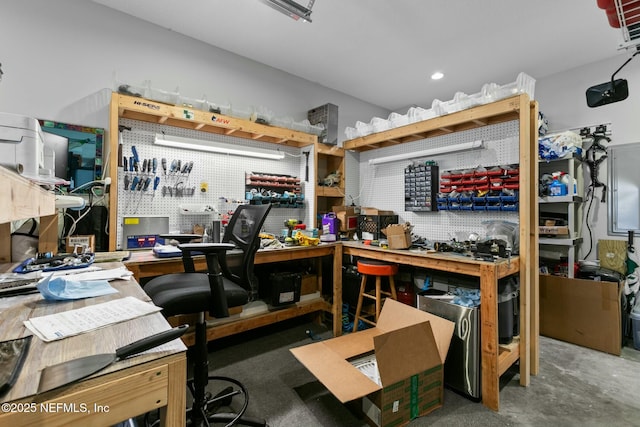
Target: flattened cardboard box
x,y
410,346
582,312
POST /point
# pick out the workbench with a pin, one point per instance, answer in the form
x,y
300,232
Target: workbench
x,y
145,265
152,380
495,358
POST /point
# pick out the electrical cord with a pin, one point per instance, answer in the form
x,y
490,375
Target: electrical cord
x,y
587,223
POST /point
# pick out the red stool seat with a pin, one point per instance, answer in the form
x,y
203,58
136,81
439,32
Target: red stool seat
x,y
376,268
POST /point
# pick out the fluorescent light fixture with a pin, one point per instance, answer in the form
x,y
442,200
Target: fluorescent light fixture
x,y
291,8
437,75
215,147
471,145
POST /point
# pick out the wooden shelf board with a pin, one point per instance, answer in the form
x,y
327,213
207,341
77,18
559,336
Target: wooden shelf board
x,y
329,191
484,115
231,326
187,118
330,150
508,354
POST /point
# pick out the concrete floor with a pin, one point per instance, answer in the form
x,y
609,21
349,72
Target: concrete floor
x,y
576,386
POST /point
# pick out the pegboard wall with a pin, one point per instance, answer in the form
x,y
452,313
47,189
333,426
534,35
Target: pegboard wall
x,y
223,175
382,185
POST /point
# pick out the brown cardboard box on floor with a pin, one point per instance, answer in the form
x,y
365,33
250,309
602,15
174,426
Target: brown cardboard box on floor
x,y
410,347
582,312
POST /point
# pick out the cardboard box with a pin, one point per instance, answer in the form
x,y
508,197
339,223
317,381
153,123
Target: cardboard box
x,y
553,230
347,216
374,211
582,312
88,241
398,236
410,347
309,284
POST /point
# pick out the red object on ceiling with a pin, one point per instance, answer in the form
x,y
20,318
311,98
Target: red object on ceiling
x,y
630,10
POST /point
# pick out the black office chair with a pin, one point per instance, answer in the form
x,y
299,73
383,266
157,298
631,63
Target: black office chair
x,y
225,285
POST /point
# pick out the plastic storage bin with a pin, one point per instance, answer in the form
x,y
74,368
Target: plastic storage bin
x,y
164,96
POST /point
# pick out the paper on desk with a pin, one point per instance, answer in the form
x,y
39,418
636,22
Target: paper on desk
x,y
74,322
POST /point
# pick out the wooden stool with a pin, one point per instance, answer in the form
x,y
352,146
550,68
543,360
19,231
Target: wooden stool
x,y
368,267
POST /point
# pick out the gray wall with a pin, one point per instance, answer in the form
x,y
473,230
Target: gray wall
x,y
61,59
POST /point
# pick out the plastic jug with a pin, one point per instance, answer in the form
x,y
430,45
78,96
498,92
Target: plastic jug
x,y
329,223
557,188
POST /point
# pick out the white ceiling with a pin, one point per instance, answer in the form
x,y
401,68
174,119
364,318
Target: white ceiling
x,y
384,51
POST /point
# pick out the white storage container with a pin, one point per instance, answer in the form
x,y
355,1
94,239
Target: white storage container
x,y
351,133
418,114
379,125
523,84
164,96
398,120
195,103
363,128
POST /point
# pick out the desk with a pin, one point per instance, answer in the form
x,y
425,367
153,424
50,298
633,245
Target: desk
x,y
153,380
144,264
495,359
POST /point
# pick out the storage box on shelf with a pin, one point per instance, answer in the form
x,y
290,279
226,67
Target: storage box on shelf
x,y
485,189
280,190
420,188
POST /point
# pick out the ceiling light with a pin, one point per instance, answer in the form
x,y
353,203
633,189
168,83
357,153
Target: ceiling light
x,y
437,75
291,8
471,145
215,147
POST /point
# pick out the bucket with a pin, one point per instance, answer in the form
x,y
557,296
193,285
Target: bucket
x,y
508,310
